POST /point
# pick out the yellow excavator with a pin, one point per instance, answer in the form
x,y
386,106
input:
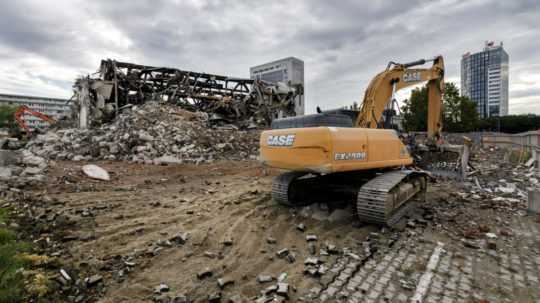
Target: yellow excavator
x,y
344,155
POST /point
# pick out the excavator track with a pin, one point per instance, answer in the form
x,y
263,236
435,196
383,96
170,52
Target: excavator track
x,y
281,188
385,199
304,188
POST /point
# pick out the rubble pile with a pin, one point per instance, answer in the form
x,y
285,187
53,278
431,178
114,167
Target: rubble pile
x,y
152,133
20,168
495,175
483,208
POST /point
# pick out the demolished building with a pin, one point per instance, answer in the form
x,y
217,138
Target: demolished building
x,y
246,103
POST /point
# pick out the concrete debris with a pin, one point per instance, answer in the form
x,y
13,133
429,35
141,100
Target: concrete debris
x,y
5,173
19,168
96,172
223,282
407,284
65,275
167,159
283,289
161,288
235,299
310,238
291,257
271,240
311,261
533,200
264,278
312,248
9,157
491,236
207,272
331,248
214,297
282,252
93,280
228,241
151,134
180,238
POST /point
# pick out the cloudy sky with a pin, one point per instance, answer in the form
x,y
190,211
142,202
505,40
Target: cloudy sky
x,y
44,45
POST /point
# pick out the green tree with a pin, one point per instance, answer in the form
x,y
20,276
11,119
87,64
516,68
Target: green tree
x,y
469,115
459,113
7,120
452,106
511,124
415,110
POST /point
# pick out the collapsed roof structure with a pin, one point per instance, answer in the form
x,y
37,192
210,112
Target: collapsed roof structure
x,y
246,103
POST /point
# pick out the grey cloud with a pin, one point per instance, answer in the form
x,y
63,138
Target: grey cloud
x,y
529,93
344,44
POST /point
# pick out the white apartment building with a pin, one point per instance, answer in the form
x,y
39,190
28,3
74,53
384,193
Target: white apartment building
x,y
55,108
288,70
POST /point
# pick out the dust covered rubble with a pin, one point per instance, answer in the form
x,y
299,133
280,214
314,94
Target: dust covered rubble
x,y
496,178
484,207
152,133
20,168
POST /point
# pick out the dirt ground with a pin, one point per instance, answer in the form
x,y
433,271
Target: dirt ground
x,y
126,219
131,234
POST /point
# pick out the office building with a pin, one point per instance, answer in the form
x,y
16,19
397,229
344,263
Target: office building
x,y
289,71
484,79
55,108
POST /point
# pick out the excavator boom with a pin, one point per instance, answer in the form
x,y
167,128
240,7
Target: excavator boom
x,y
382,88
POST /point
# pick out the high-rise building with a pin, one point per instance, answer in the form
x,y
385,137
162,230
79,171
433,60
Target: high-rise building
x,y
484,79
289,71
52,107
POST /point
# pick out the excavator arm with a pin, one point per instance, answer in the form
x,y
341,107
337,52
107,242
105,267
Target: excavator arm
x,y
382,88
23,109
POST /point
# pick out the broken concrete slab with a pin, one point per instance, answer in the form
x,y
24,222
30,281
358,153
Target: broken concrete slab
x,y
93,280
161,288
32,171
534,201
205,273
167,159
10,157
223,282
264,278
5,173
310,238
32,160
96,172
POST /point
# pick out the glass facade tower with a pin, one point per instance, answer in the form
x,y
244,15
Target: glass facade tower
x,y
484,79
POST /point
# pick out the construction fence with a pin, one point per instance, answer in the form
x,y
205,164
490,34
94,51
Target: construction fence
x,y
529,141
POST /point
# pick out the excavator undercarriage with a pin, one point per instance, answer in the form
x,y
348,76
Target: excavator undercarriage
x,y
379,197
